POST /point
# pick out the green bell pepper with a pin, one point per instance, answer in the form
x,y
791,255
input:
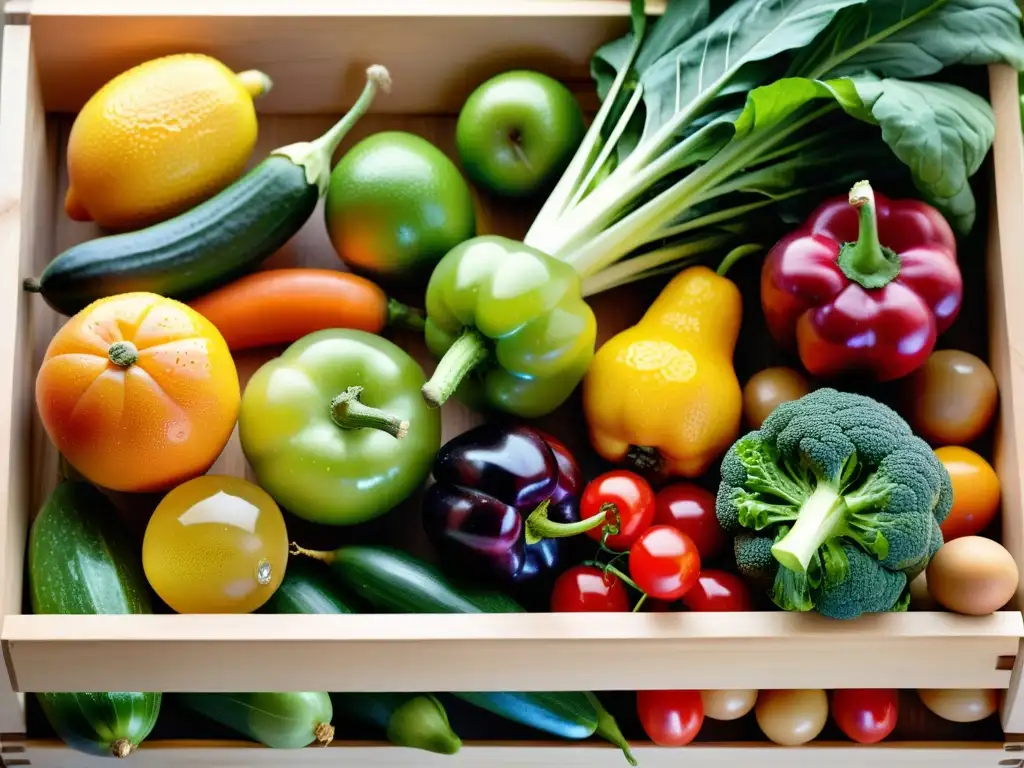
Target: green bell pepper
x,y
516,318
335,428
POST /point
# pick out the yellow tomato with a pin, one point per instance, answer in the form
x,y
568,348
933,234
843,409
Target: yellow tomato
x,y
216,544
975,492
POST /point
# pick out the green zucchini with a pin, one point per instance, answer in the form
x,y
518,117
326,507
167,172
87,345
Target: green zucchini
x,y
393,581
289,720
408,720
214,242
81,561
415,720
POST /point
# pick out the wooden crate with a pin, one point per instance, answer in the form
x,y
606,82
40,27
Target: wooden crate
x,y
57,52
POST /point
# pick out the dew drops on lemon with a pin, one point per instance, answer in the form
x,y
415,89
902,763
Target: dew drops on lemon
x,y
216,544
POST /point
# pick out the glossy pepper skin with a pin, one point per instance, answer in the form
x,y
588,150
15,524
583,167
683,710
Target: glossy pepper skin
x,y
515,319
335,428
866,286
663,395
490,480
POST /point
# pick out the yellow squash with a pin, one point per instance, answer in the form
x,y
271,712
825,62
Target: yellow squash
x,y
664,392
160,138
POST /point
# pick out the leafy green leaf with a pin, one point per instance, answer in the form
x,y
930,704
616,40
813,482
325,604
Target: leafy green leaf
x,y
916,38
773,104
942,132
691,75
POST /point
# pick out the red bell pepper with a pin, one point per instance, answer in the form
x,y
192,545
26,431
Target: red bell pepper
x,y
865,285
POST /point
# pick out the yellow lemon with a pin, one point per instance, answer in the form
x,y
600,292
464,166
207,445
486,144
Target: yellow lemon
x,y
160,138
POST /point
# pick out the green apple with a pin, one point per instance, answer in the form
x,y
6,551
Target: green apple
x,y
517,133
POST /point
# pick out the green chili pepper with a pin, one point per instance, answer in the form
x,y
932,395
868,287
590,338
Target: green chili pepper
x,y
512,316
335,428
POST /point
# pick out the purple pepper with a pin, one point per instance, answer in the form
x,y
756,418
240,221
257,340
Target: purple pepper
x,y
503,499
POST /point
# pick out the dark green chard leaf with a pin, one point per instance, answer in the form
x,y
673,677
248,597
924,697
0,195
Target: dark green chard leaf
x,y
916,38
942,132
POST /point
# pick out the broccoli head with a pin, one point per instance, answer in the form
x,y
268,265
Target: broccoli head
x,y
844,497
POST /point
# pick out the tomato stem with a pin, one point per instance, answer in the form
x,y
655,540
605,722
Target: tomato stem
x,y
323,557
123,353
348,412
468,351
540,527
614,572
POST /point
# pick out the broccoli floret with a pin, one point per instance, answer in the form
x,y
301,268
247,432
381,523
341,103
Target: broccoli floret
x,y
753,554
866,588
849,497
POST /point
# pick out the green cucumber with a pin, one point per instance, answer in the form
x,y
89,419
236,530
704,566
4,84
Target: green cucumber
x,y
408,720
289,720
393,581
82,561
415,720
306,588
214,242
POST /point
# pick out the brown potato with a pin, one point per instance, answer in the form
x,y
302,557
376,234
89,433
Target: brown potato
x,y
768,388
951,399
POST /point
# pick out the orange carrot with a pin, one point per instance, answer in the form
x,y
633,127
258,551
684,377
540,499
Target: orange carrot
x,y
278,306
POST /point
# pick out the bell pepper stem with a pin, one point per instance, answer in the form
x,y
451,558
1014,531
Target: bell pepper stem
x,y
324,733
403,316
468,351
348,412
315,554
539,526
123,353
867,262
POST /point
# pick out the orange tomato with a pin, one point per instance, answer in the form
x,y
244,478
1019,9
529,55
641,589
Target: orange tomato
x,y
138,392
975,492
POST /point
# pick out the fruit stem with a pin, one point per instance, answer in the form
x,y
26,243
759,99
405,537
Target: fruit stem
x,y
608,729
32,285
315,156
468,351
122,748
123,353
323,557
403,316
256,83
324,733
539,526
348,412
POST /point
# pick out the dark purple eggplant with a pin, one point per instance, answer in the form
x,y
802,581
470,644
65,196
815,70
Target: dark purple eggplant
x,y
503,499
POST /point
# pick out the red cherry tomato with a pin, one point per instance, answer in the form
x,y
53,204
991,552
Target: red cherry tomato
x,y
587,589
718,591
623,493
670,718
664,563
866,715
691,509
